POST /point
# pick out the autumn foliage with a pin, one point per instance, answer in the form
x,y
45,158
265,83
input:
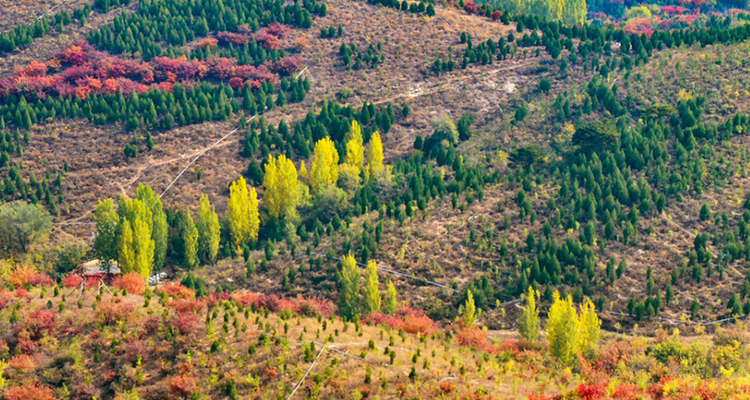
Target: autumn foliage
x,y
35,391
131,282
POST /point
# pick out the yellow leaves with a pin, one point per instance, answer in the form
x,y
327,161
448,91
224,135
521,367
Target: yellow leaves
x,y
324,170
244,219
374,157
355,151
282,194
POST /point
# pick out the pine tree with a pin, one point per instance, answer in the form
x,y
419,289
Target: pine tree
x,y
244,220
374,157
325,166
470,314
355,151
390,304
190,242
209,230
349,288
282,190
105,244
528,320
562,329
371,296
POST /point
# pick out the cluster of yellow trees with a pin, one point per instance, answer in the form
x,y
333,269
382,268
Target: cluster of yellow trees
x,y
285,188
135,235
354,301
569,331
569,12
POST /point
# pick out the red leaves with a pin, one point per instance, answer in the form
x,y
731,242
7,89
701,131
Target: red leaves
x,y
406,318
233,38
39,323
132,282
590,392
470,7
287,65
72,280
22,362
182,386
496,15
187,305
185,323
236,82
176,290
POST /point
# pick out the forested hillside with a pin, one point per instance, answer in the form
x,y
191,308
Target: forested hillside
x,y
335,199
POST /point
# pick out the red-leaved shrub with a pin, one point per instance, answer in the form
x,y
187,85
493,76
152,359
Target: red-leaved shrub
x,y
182,386
72,280
115,310
39,323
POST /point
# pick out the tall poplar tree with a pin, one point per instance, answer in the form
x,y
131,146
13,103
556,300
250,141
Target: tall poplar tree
x,y
374,157
325,166
209,230
105,244
390,305
528,320
244,220
282,189
190,241
349,288
371,293
158,225
355,150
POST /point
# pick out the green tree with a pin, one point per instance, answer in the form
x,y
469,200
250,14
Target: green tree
x,y
528,320
349,288
371,296
105,244
158,225
190,241
390,304
126,251
705,213
596,135
22,224
209,230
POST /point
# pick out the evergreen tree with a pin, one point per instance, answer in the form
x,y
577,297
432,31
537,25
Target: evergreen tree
x,y
371,296
528,320
349,288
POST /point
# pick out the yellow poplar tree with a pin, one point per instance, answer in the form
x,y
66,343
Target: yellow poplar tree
x,y
355,150
470,314
562,329
282,194
126,254
209,230
325,166
303,174
588,328
244,220
190,240
391,303
528,320
349,288
143,244
371,303
374,157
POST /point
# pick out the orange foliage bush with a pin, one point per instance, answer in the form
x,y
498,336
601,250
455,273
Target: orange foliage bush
x,y
23,275
191,305
35,391
132,282
112,311
447,386
173,289
270,373
22,362
474,337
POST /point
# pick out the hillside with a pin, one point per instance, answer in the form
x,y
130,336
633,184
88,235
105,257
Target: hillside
x,y
445,157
